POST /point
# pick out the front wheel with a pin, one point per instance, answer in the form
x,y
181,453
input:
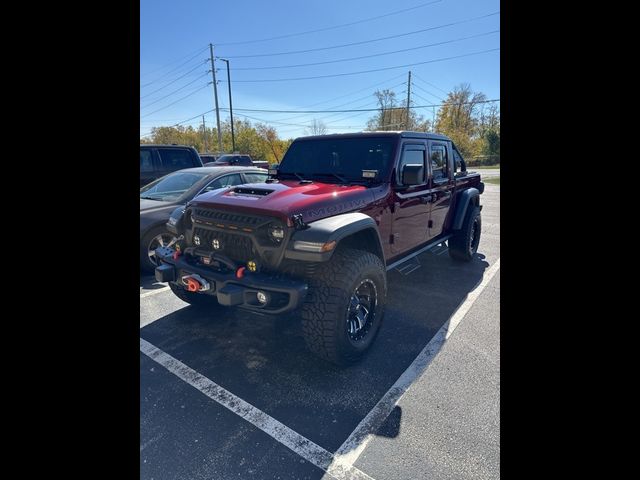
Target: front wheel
x,y
155,238
344,306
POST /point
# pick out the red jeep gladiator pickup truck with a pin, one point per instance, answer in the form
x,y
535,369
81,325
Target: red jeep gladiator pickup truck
x,y
318,237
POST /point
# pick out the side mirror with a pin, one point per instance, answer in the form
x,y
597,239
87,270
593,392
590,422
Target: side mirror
x,y
273,169
175,223
412,174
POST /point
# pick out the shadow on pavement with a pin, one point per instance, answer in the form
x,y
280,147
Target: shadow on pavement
x,y
264,360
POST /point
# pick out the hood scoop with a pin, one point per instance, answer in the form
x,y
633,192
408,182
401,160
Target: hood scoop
x,y
248,191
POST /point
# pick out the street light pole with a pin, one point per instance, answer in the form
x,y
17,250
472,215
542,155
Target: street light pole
x,y
233,138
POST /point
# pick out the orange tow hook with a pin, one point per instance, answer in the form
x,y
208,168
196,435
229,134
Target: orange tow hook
x,y
176,254
240,272
193,285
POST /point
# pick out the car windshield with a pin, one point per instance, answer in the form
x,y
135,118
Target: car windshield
x,y
338,159
170,187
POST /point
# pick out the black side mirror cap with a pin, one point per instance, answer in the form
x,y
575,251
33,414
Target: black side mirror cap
x,y
412,174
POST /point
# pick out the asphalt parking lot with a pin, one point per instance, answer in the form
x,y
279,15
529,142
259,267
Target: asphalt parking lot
x,y
236,395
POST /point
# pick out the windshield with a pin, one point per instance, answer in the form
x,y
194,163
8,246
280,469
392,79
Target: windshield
x,y
170,187
224,159
338,159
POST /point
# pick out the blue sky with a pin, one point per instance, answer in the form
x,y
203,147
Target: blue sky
x,y
174,39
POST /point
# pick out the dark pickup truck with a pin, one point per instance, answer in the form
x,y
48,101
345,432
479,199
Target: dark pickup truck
x,y
236,160
318,237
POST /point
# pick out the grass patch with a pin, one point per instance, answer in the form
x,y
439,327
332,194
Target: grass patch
x,y
492,180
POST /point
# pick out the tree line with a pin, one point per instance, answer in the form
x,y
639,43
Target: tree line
x,y
465,116
260,141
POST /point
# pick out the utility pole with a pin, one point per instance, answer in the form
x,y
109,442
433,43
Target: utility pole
x,y
215,97
233,137
408,99
204,134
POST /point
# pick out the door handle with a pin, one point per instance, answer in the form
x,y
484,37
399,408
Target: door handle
x,y
426,199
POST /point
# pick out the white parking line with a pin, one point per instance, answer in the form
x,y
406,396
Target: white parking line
x,y
153,292
353,446
304,447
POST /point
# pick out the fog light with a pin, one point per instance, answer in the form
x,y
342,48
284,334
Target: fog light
x,y
262,297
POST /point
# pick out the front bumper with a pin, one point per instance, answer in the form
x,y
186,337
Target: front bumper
x,y
283,295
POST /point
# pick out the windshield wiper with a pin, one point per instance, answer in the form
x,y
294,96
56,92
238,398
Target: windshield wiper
x,y
339,177
150,198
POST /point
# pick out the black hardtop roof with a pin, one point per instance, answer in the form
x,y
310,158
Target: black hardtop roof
x,y
399,133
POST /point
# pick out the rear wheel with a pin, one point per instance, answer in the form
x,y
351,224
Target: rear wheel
x,y
464,243
345,305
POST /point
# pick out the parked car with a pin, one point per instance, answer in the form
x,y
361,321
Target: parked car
x,y
208,158
237,159
159,160
319,236
161,197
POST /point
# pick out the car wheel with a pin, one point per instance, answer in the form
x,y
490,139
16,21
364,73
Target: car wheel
x,y
463,245
154,238
344,306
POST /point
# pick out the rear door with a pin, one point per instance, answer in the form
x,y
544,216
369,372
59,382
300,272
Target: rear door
x,y
442,185
411,207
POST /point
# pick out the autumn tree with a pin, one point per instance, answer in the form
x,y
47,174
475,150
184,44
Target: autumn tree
x,y
317,127
393,115
459,119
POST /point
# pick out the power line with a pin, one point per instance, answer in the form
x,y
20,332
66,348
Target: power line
x,y
366,71
173,70
173,81
179,100
428,92
175,91
174,61
372,55
356,110
289,35
432,85
365,41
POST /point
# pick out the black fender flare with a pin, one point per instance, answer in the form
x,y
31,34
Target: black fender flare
x,y
464,199
331,229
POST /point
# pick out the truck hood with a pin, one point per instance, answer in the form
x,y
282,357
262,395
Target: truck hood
x,y
289,197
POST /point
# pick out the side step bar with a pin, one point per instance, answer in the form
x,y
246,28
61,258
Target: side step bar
x,y
428,246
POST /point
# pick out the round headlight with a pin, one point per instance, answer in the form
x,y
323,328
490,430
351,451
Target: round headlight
x,y
276,233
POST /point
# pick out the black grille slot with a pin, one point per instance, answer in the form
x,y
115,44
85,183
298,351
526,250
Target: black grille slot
x,y
227,217
236,247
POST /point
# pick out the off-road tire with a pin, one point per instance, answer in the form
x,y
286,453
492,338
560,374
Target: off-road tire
x,y
325,310
192,298
464,243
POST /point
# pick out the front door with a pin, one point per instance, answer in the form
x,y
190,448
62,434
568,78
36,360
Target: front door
x,y
411,207
442,185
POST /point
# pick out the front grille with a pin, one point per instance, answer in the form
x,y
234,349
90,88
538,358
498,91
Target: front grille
x,y
234,218
237,247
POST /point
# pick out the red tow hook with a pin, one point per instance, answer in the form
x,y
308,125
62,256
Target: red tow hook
x,y
176,254
240,272
193,285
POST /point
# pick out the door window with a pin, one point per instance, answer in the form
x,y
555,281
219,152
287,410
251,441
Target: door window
x,y
226,181
176,159
439,162
413,154
146,161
